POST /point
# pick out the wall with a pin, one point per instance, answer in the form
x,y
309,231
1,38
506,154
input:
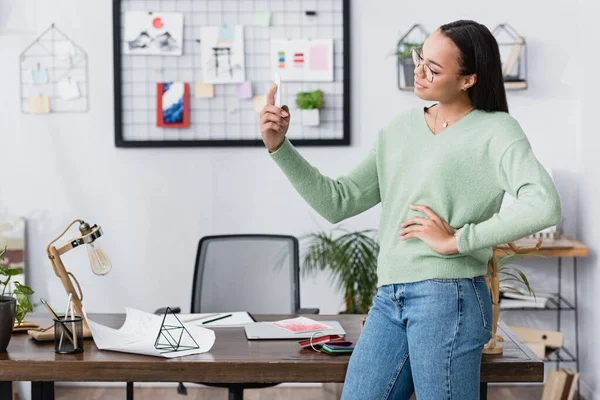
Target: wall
x,y
61,167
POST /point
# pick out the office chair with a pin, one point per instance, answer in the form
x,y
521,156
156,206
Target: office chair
x,y
258,273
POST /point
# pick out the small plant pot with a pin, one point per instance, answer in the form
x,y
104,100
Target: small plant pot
x,y
7,320
310,117
409,71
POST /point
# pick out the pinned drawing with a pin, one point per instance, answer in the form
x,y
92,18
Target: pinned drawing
x,y
222,52
303,59
153,33
172,105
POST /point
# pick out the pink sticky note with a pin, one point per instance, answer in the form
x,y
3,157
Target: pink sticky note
x,y
318,57
244,90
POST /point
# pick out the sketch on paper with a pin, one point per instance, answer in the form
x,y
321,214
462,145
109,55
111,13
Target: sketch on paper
x,y
302,59
153,33
222,52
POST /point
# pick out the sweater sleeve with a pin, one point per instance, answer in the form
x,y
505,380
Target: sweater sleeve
x,y
334,199
537,203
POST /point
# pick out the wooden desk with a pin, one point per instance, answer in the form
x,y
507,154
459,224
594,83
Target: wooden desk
x,y
233,359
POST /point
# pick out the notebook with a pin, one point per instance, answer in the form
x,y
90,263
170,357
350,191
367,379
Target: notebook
x,y
265,330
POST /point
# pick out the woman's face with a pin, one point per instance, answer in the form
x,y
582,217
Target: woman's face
x,y
441,55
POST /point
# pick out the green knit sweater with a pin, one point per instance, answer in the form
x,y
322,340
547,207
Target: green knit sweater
x,y
461,173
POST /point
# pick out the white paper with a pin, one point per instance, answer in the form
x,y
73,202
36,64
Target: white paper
x,y
237,319
68,89
222,52
139,332
153,33
303,60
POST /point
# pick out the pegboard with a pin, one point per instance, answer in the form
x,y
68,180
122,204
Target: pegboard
x,y
224,120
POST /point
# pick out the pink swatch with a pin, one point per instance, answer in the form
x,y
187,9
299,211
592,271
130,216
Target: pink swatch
x,y
300,325
318,58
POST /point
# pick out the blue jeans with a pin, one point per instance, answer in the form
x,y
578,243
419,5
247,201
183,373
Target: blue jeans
x,y
425,337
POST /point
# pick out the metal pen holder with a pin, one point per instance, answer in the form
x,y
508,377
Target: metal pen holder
x,y
68,335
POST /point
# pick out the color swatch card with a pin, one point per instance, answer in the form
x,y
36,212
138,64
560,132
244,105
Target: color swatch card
x,y
303,60
300,325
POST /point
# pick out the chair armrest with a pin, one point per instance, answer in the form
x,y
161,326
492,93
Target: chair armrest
x,y
307,311
176,310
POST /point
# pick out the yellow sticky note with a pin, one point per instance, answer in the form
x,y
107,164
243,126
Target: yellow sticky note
x,y
205,90
39,104
259,102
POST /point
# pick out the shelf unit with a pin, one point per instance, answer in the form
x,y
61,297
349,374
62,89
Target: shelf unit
x,y
558,303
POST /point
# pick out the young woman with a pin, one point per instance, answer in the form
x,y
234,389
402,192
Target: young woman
x,y
440,173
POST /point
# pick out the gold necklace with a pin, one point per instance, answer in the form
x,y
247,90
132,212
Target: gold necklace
x,y
446,122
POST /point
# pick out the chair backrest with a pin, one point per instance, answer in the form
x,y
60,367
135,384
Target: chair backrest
x,y
254,273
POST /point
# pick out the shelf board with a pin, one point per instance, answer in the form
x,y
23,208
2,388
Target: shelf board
x,y
560,355
554,303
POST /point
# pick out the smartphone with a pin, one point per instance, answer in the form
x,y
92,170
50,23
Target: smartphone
x,y
277,80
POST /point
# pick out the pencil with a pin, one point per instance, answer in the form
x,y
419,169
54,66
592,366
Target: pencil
x,y
216,319
73,326
51,311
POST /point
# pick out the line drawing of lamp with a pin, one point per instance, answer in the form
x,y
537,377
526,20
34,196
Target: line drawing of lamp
x,y
99,262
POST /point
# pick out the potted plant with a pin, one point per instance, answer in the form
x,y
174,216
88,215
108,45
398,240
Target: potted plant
x,y
352,261
406,61
309,104
11,307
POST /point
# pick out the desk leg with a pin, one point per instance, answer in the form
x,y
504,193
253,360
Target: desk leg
x,y
6,390
483,390
129,390
42,390
236,392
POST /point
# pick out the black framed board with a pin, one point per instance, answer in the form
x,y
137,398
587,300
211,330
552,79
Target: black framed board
x,y
149,69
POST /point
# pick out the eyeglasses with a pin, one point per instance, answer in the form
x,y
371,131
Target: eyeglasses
x,y
429,74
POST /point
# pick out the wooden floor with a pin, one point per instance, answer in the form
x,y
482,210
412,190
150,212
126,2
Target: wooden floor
x,y
292,393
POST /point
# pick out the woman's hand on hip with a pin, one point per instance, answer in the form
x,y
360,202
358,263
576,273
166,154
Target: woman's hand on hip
x,y
274,122
434,231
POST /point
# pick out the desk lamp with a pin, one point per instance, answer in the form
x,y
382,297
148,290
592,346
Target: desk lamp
x,y
99,262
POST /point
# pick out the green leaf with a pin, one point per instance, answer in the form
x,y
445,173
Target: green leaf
x,y
10,272
23,289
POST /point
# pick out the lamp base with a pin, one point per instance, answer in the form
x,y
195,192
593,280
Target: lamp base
x,y
48,333
492,347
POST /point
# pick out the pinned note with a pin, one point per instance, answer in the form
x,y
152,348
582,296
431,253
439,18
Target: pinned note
x,y
262,18
226,33
39,75
259,102
39,104
68,89
244,90
204,90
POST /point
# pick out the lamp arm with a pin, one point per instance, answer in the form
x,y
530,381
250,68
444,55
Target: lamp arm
x,y
50,256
